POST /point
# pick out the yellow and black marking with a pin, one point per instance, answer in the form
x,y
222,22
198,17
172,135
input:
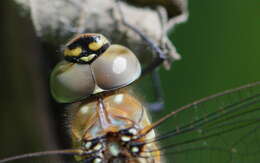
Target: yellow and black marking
x,y
85,48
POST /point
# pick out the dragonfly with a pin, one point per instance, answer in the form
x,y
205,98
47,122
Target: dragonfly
x,y
109,124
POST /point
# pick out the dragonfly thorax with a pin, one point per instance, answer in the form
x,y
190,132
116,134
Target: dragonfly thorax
x,y
118,134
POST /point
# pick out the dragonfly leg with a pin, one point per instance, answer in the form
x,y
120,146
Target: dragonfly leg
x,y
158,104
161,51
160,54
165,43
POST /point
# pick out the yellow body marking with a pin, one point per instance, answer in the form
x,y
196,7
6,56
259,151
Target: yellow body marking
x,y
95,45
88,58
73,52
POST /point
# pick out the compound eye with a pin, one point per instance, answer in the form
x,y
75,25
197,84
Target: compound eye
x,y
116,67
70,82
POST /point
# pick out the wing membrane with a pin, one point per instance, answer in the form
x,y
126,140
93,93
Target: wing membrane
x,y
225,128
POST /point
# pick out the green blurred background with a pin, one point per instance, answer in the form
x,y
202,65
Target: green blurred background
x,y
219,46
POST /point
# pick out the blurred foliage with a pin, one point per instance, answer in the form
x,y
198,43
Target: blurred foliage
x,y
219,47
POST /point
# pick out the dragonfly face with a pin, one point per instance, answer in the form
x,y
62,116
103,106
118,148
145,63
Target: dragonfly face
x,y
105,68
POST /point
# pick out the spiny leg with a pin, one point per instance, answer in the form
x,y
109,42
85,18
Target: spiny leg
x,y
160,55
160,58
158,92
165,43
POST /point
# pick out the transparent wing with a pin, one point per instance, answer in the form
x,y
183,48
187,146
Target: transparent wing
x,y
223,129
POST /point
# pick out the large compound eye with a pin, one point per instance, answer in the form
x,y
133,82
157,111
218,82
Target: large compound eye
x,y
85,48
116,67
70,82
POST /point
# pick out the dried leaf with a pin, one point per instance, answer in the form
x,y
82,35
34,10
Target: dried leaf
x,y
56,21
